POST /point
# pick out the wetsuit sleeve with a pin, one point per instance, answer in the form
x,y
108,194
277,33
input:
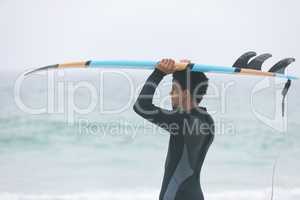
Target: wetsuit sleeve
x,y
145,107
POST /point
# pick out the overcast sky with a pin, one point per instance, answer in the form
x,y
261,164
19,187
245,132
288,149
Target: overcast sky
x,y
35,32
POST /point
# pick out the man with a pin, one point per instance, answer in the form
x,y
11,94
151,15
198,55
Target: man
x,y
191,128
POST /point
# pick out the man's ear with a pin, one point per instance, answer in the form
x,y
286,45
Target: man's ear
x,y
186,94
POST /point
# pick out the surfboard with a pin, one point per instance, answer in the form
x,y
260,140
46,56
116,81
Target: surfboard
x,y
150,65
244,65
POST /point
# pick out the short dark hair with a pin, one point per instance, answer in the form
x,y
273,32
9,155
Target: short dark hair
x,y
195,82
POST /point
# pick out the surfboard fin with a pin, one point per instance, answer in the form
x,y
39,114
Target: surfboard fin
x,y
281,65
256,63
243,60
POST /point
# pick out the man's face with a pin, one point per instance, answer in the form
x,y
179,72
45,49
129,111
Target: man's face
x,y
176,94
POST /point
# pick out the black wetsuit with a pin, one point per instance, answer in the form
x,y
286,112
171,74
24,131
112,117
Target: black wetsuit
x,y
191,135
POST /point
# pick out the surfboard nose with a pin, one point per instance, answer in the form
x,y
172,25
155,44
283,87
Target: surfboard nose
x,y
42,68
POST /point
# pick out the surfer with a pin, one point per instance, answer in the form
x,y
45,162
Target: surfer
x,y
190,126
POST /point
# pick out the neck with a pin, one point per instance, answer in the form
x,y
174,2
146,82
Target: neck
x,y
187,107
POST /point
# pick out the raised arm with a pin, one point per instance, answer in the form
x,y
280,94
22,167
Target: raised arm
x,y
144,105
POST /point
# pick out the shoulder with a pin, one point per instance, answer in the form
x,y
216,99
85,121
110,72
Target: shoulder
x,y
200,113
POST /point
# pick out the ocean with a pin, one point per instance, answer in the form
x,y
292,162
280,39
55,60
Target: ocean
x,y
72,135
